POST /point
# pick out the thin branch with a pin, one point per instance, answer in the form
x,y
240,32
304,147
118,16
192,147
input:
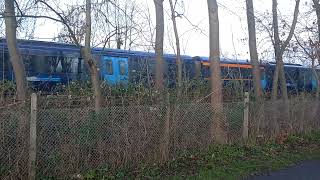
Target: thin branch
x,y
33,16
268,30
293,26
303,48
63,20
18,7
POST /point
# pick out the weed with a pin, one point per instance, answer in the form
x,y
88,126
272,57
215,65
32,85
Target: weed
x,y
225,161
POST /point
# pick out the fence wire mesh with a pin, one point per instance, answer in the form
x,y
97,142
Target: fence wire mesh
x,y
14,133
72,138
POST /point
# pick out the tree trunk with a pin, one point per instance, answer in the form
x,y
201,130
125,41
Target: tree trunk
x,y
15,57
253,50
21,84
159,45
259,105
86,51
219,121
315,74
279,48
279,74
179,62
317,8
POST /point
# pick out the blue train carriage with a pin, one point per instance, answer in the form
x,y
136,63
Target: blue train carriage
x,y
48,64
298,77
236,74
122,67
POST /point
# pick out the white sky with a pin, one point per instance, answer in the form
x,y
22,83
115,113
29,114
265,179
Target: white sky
x,y
233,25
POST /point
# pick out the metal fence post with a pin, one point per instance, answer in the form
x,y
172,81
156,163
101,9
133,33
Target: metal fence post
x,y
245,128
33,138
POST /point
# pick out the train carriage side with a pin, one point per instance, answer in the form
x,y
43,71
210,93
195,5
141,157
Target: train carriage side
x,y
46,64
236,75
124,68
298,78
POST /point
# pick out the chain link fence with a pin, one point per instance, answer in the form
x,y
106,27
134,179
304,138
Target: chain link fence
x,y
72,138
14,131
270,119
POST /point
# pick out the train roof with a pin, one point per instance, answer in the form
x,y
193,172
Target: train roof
x,y
290,65
35,47
227,60
55,48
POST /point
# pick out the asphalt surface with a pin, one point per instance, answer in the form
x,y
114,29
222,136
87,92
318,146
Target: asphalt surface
x,y
307,170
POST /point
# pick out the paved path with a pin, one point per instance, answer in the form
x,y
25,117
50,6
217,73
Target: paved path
x,y
307,170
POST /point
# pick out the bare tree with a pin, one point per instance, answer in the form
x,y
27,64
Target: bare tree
x,y
311,51
253,49
219,122
15,57
85,51
279,48
159,83
317,8
176,34
20,79
316,46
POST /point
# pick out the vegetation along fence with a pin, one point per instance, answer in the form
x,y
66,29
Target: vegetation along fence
x,y
39,139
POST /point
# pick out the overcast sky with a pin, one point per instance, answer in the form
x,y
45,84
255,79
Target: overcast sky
x,y
233,25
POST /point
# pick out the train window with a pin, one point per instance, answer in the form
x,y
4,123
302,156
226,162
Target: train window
x,y
109,67
224,72
246,73
291,74
122,67
53,63
66,64
262,74
305,75
234,73
206,71
39,64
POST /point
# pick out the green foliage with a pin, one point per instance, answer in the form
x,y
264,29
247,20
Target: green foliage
x,y
87,131
234,113
224,161
75,88
7,87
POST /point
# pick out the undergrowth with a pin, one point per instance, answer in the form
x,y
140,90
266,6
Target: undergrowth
x,y
224,161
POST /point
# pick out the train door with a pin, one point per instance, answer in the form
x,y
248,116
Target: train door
x,y
263,78
114,70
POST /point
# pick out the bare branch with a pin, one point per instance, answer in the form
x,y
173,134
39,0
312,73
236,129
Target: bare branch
x,y
33,16
293,26
63,20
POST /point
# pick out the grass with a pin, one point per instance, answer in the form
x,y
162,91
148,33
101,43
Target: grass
x,y
225,161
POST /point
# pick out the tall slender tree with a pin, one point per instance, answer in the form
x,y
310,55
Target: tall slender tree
x,y
159,44
176,34
279,75
317,46
20,80
86,51
253,50
279,49
219,121
316,5
15,57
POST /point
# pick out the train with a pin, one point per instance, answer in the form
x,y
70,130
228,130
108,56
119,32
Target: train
x,y
48,64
